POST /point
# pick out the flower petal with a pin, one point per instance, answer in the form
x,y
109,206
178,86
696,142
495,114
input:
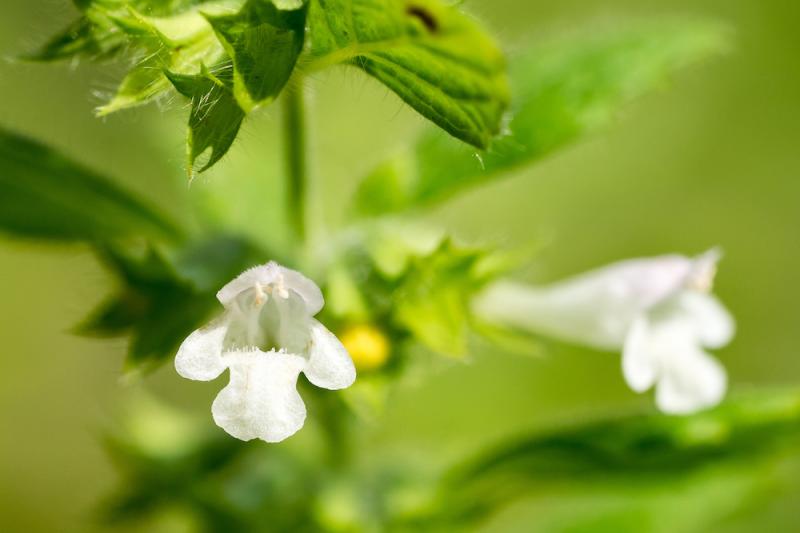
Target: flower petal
x,y
200,355
693,382
261,400
263,274
270,273
329,365
597,308
304,287
639,364
704,268
713,325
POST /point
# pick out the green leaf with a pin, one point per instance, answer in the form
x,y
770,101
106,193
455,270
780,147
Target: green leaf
x,y
44,194
93,35
638,449
155,8
171,459
437,59
215,117
157,306
432,299
252,54
159,302
100,31
168,457
264,43
343,296
562,91
411,281
79,38
180,44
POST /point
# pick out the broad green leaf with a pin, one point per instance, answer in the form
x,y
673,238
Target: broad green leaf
x,y
712,500
215,117
45,194
561,91
264,43
639,449
436,58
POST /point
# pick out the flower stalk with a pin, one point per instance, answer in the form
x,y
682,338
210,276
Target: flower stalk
x,y
295,159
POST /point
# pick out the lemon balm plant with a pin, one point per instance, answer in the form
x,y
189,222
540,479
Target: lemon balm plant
x,y
354,317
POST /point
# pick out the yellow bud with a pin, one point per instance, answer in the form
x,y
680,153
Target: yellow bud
x,y
368,346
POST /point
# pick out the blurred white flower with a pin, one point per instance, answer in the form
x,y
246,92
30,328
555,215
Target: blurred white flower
x,y
266,336
658,311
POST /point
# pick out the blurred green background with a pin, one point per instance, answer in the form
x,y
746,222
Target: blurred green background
x,y
711,160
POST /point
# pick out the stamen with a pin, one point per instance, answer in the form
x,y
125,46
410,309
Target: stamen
x,y
280,288
704,272
703,280
261,296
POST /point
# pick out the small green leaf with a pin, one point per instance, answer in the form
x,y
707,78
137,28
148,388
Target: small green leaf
x,y
79,38
44,194
93,35
102,30
154,304
181,44
438,60
215,117
392,246
160,301
170,459
432,299
264,43
165,457
562,90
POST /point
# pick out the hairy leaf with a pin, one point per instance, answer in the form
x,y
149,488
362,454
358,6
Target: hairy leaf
x,y
181,44
215,117
97,34
264,43
562,90
93,35
44,194
438,60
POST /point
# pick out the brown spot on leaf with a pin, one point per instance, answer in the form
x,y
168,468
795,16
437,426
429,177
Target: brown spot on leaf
x,y
424,16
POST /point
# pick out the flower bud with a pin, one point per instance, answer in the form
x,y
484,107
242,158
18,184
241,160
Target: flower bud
x,y
368,346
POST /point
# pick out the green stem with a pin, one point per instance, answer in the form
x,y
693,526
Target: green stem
x,y
295,154
336,422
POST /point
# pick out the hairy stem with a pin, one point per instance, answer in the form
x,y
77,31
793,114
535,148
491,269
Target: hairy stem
x,y
295,156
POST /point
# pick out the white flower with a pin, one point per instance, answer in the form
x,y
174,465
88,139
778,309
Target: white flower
x,y
266,337
658,311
